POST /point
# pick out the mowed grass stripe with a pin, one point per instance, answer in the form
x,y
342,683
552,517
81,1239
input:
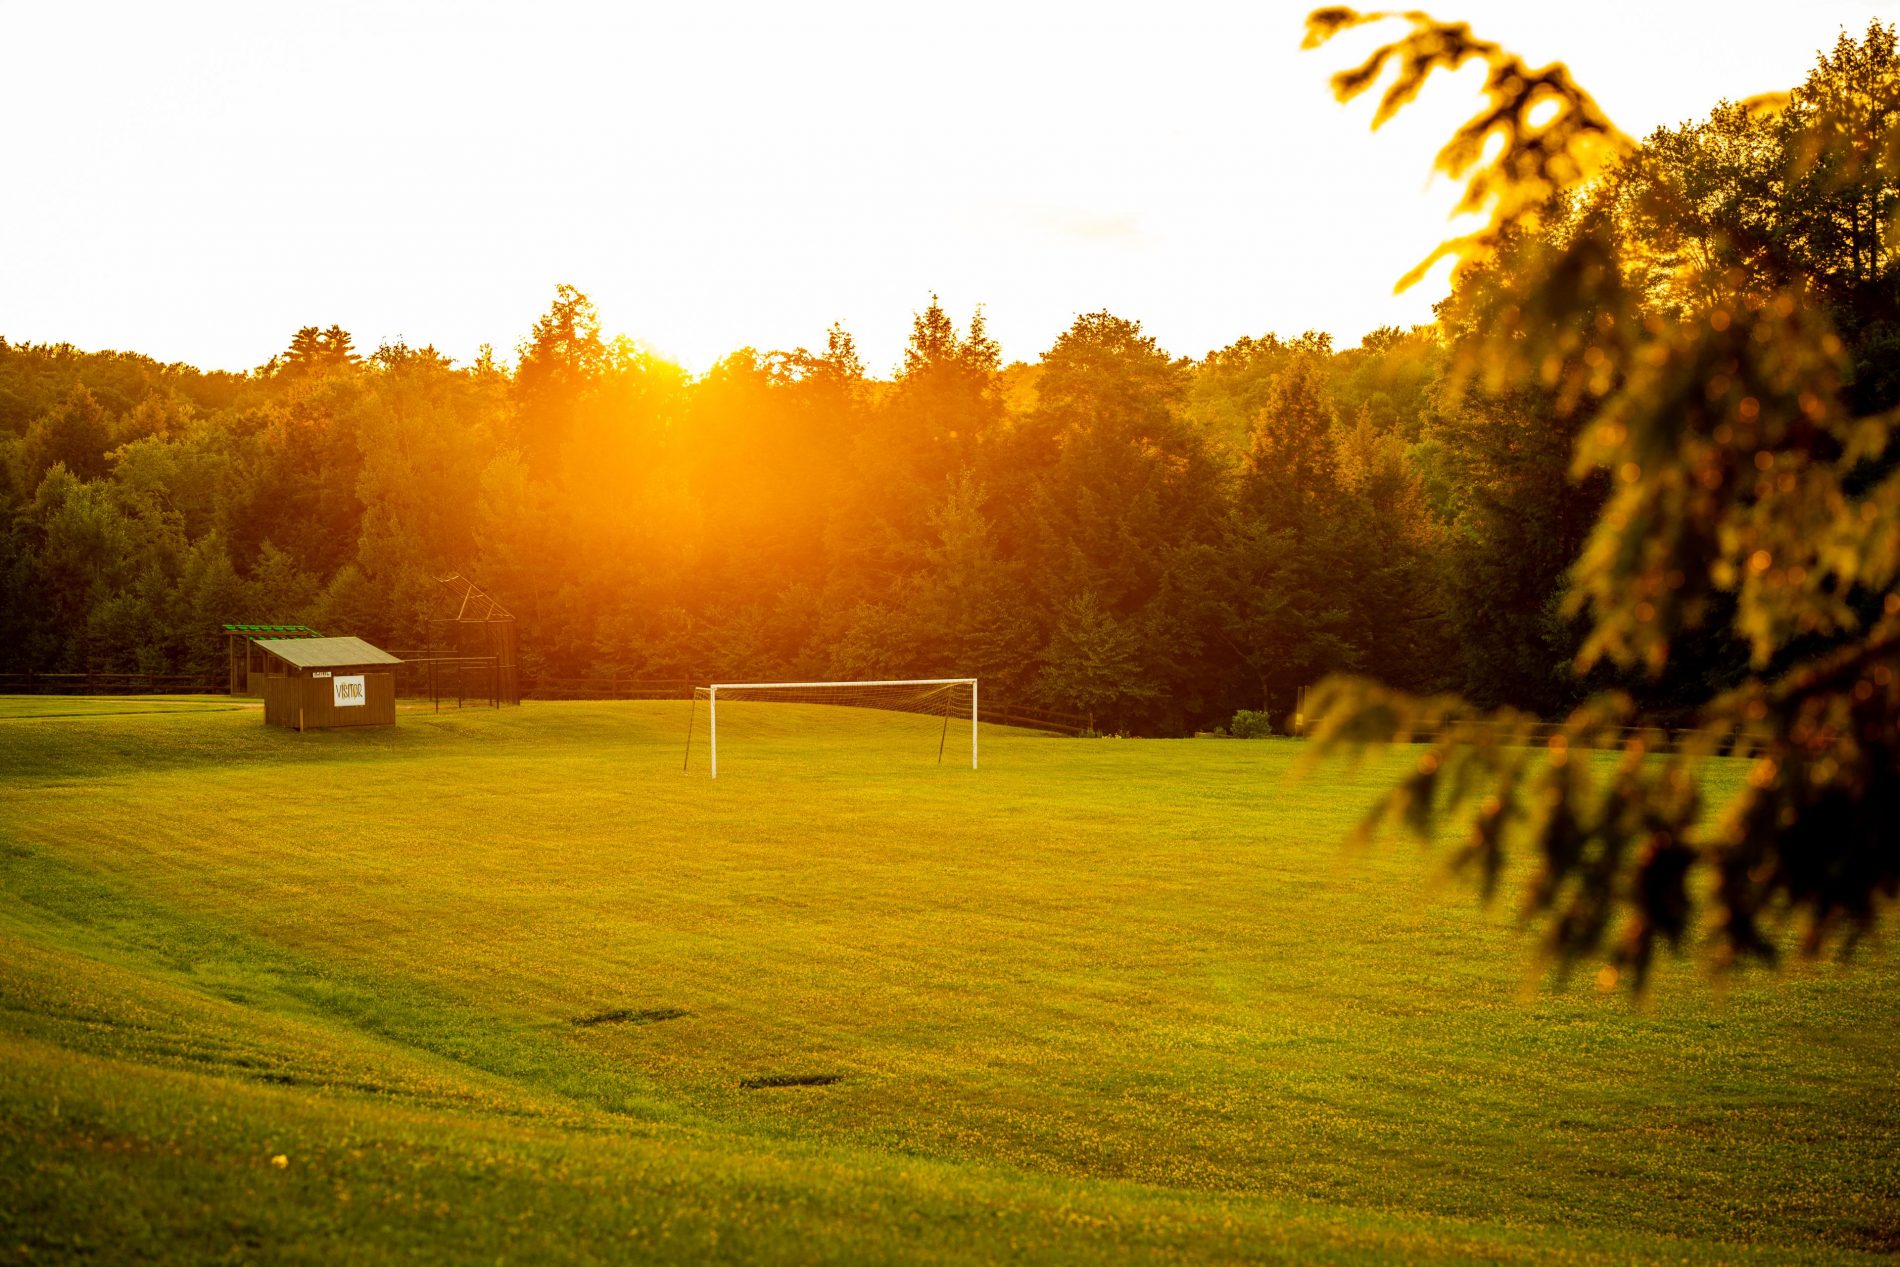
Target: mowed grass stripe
x,y
1146,962
42,707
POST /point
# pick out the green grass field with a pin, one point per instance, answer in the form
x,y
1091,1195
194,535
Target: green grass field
x,y
511,986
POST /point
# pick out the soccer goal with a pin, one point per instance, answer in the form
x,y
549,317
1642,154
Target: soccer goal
x,y
950,699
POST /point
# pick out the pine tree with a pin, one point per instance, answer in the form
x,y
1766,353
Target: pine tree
x,y
1092,662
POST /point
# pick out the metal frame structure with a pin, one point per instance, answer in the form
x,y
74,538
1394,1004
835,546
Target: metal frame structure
x,y
475,609
712,707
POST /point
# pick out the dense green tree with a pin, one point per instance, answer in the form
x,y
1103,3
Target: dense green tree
x,y
315,352
1841,167
1122,466
1123,494
1289,615
74,434
965,610
562,360
86,554
1519,522
1230,386
1392,379
1093,662
902,455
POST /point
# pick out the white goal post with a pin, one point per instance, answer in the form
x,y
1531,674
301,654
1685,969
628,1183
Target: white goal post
x,y
912,695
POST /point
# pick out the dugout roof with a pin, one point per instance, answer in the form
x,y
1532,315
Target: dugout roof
x,y
326,653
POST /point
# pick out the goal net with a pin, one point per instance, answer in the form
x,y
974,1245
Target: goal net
x,y
926,716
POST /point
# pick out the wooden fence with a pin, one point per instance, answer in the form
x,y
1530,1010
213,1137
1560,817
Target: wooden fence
x,y
610,687
112,684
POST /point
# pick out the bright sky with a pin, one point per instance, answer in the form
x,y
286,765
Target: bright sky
x,y
196,181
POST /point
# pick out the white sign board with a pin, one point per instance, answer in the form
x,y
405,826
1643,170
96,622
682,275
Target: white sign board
x,y
348,691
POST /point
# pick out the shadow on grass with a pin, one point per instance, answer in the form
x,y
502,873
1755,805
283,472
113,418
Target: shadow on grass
x,y
768,1081
626,1016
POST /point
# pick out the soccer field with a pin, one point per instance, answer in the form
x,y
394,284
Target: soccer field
x,y
513,986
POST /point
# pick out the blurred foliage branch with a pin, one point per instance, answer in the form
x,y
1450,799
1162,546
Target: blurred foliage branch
x,y
1538,134
1749,499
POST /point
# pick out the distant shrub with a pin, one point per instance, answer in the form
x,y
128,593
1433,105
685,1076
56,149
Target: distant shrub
x,y
1249,724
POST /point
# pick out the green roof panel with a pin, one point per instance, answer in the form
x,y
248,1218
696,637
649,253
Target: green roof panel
x,y
304,631
326,653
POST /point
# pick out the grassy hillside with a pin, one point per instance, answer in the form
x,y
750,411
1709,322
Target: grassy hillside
x,y
511,984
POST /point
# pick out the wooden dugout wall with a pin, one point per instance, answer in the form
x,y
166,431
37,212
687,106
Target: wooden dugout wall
x,y
304,702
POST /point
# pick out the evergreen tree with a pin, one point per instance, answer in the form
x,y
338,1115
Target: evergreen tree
x,y
562,360
1092,663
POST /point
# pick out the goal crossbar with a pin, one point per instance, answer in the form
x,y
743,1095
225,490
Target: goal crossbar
x,y
711,693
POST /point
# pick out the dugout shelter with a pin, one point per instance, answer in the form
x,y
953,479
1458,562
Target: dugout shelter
x,y
326,683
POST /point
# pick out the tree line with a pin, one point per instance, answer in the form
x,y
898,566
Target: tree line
x,y
1153,540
